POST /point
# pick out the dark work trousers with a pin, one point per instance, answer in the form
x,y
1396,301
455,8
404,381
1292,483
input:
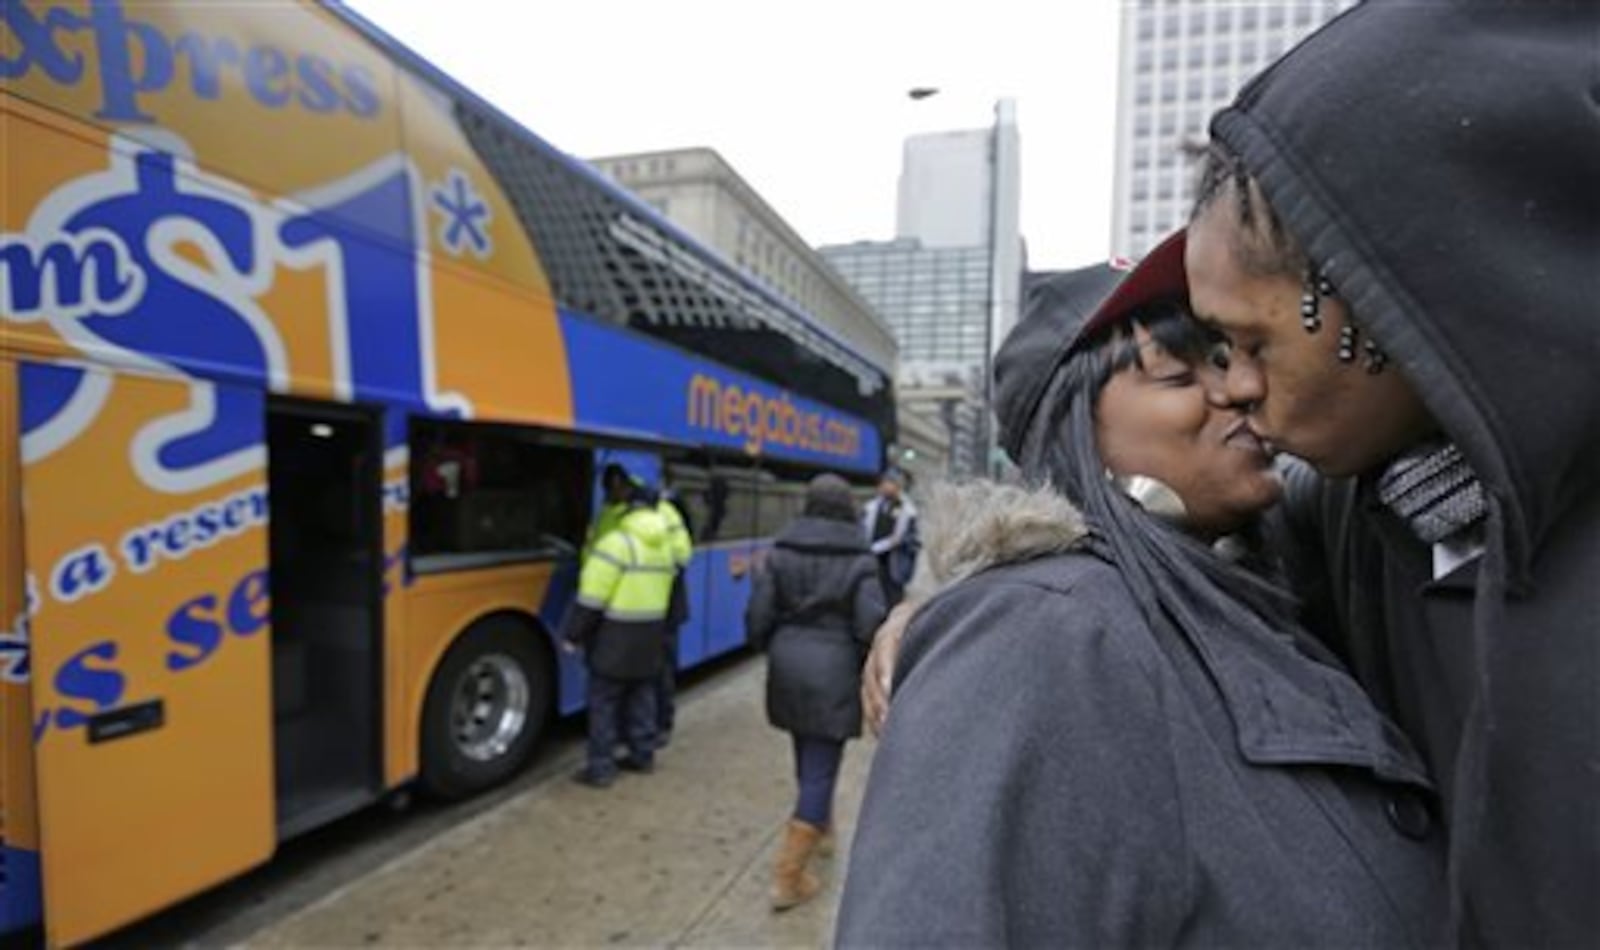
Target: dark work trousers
x,y
630,704
893,590
816,766
666,689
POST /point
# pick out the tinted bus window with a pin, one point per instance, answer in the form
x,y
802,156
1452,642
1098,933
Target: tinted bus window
x,y
690,486
731,501
481,493
781,502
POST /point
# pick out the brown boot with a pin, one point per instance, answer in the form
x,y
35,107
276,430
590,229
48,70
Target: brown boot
x,y
792,884
827,846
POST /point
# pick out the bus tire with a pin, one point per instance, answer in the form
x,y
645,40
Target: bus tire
x,y
487,707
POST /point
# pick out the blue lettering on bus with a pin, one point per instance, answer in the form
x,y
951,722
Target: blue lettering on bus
x,y
197,627
99,685
14,651
208,57
198,330
625,381
177,536
361,91
137,59
47,390
194,626
248,606
86,570
37,43
207,524
382,304
317,90
266,74
196,630
115,39
55,275
104,269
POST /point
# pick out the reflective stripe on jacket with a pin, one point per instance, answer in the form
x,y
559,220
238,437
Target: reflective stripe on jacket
x,y
605,522
628,576
678,540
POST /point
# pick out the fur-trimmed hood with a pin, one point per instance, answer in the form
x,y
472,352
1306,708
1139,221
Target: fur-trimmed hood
x,y
968,527
1288,698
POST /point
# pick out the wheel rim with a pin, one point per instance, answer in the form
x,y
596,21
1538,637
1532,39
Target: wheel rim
x,y
490,708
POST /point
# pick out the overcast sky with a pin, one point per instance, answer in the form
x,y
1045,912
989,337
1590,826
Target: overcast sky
x,y
807,100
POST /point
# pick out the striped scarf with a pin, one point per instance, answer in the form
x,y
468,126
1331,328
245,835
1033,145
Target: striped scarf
x,y
1434,490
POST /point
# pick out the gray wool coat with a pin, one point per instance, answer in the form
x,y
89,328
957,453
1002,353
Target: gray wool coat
x,y
814,606
1054,773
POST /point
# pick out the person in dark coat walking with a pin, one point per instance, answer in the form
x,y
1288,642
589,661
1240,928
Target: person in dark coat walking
x,y
814,606
1398,228
1108,729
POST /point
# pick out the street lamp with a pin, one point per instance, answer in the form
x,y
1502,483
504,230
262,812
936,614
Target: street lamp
x,y
993,305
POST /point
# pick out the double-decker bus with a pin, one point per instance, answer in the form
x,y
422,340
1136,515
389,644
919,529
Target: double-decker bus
x,y
309,359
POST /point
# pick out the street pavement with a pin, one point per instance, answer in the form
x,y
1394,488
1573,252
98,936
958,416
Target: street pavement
x,y
679,858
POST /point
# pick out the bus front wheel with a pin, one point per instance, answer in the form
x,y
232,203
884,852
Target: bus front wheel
x,y
487,705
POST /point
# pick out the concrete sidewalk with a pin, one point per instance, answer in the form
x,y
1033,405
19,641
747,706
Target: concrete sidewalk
x,y
679,858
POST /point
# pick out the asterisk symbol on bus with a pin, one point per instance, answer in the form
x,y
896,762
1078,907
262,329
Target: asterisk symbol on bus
x,y
466,215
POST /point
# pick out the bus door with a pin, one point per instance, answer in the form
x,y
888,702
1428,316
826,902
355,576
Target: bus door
x,y
326,537
145,545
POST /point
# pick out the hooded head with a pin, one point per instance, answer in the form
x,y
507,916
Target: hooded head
x,y
1457,218
1107,375
1061,314
892,483
828,496
618,484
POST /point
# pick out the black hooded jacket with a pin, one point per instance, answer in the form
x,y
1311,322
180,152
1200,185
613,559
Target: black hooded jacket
x,y
814,607
1441,163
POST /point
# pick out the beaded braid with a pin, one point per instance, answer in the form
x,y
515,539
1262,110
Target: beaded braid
x,y
1266,247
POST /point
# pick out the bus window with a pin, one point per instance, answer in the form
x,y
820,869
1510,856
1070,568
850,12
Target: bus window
x,y
781,501
691,491
483,494
734,491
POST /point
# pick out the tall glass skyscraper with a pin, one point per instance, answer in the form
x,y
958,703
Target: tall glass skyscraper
x,y
1181,61
933,297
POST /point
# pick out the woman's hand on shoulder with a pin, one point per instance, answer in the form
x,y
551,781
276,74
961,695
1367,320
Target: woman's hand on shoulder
x,y
877,677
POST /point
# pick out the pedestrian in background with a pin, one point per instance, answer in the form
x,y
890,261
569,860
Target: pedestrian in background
x,y
890,522
619,621
814,606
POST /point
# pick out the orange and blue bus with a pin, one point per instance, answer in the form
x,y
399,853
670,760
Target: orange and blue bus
x,y
309,358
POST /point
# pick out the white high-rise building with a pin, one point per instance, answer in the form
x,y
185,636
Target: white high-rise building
x,y
944,189
963,189
1182,60
950,282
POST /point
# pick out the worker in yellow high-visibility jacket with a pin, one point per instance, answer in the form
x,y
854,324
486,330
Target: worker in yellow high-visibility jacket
x,y
619,620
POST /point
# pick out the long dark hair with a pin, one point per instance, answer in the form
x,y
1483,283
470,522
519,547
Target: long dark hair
x,y
1171,573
